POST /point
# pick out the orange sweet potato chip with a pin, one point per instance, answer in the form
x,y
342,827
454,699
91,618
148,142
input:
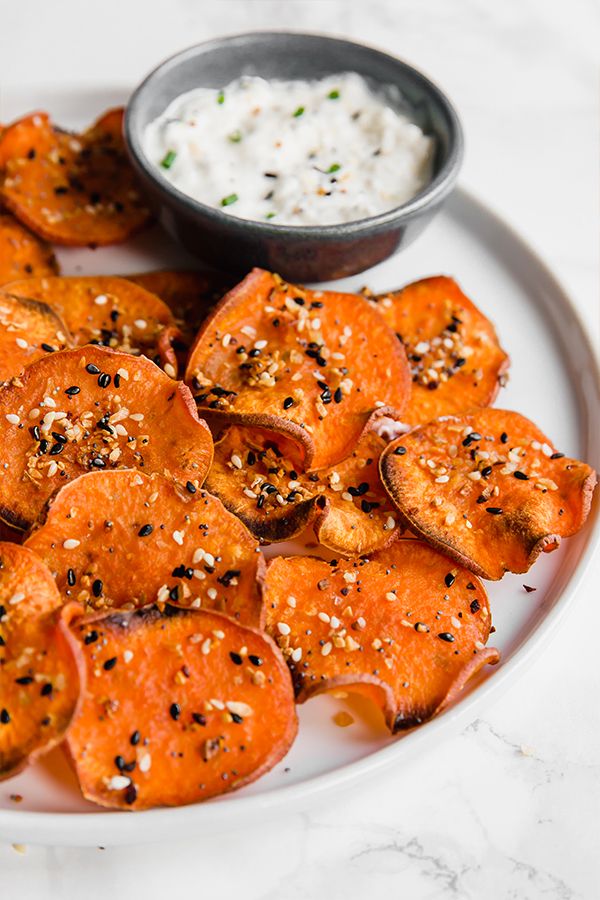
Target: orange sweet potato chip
x,y
487,488
405,626
89,409
316,366
22,254
39,679
29,330
453,351
181,705
108,311
256,477
121,538
189,295
71,189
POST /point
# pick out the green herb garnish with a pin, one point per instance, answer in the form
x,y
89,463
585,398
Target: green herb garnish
x,y
299,112
227,201
168,159
235,137
334,167
221,97
333,95
270,215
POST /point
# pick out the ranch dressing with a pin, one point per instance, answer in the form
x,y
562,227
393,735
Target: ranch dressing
x,y
291,152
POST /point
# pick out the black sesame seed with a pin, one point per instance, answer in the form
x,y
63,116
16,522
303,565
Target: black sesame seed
x,y
130,795
55,449
71,391
60,438
446,636
504,437
236,718
46,689
521,476
235,658
117,380
135,738
486,471
98,462
255,660
92,369
198,718
110,663
289,401
48,348
90,637
191,488
97,588
400,451
449,579
145,530
4,716
494,510
475,606
119,763
557,456
338,396
104,380
175,711
26,679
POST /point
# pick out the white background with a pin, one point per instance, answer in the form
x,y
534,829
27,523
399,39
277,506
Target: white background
x,y
510,809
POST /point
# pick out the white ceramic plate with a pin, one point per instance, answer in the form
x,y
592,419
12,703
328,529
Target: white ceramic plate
x,y
554,380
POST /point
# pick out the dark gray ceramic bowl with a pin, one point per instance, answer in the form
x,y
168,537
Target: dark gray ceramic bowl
x,y
302,253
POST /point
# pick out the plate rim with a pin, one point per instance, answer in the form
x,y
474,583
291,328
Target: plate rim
x,y
112,828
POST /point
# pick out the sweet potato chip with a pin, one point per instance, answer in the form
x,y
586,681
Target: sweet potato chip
x,y
487,488
71,189
121,538
453,351
108,311
189,295
22,253
405,626
39,680
316,366
181,705
256,477
89,409
29,330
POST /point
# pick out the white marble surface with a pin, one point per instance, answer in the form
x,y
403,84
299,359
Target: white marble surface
x,y
510,809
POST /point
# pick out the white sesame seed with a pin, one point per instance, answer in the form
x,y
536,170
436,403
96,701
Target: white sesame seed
x,y
226,340
248,330
283,628
170,370
442,479
101,300
250,494
212,593
239,708
391,596
450,518
456,622
206,645
52,469
22,343
127,656
137,417
326,648
218,704
13,419
178,537
297,654
260,345
390,524
475,475
479,645
209,559
350,577
198,555
16,598
123,373
361,622
118,783
291,601
71,543
335,622
145,762
346,496
379,404
141,324
236,461
323,617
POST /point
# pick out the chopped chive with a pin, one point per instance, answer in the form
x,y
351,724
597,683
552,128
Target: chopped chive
x,y
298,112
227,201
333,95
270,215
235,137
221,97
334,167
168,159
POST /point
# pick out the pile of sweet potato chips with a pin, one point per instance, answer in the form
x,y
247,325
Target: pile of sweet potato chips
x,y
139,622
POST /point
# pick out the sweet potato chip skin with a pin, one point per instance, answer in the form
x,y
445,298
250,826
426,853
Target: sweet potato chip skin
x,y
22,254
256,477
108,311
455,358
71,189
487,488
316,366
189,295
78,411
406,626
39,673
122,538
183,705
29,331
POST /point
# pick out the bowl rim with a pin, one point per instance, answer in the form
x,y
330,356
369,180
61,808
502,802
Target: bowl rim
x,y
433,192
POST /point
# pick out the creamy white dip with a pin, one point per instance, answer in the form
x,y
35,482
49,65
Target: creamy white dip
x,y
291,152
